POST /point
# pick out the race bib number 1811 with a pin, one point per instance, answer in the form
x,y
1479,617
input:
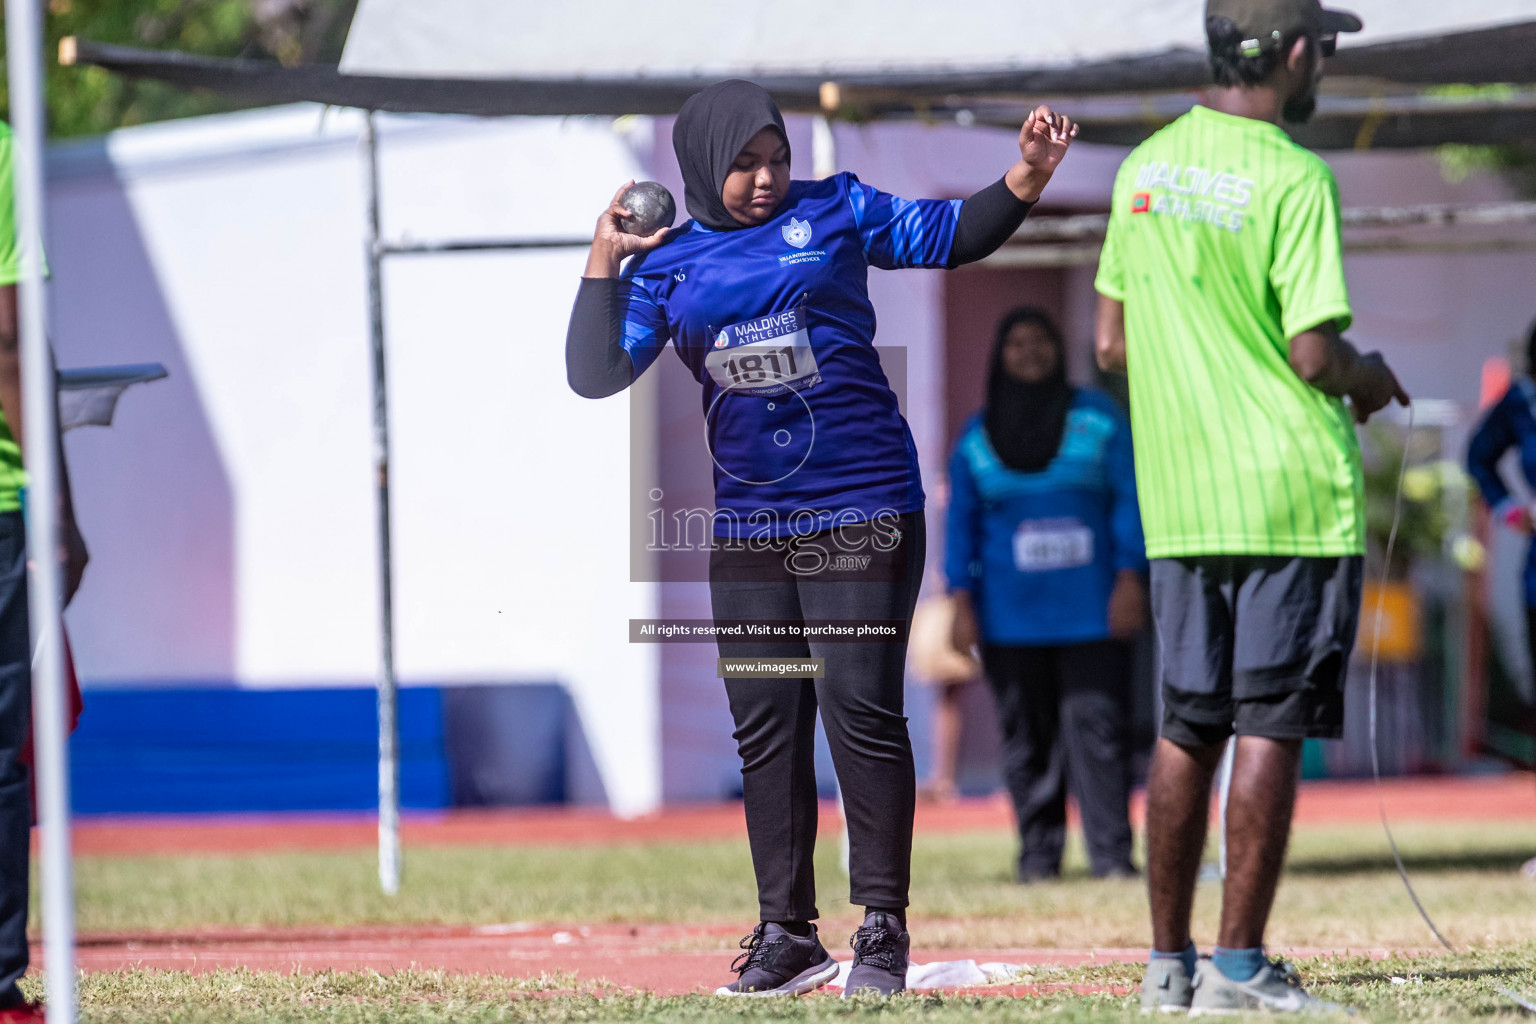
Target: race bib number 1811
x,y
765,357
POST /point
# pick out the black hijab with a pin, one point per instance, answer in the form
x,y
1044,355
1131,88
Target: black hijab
x,y
1025,421
710,131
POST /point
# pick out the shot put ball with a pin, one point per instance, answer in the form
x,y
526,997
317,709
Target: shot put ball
x,y
651,208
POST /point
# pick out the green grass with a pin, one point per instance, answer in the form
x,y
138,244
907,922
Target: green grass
x,y
1340,891
1447,988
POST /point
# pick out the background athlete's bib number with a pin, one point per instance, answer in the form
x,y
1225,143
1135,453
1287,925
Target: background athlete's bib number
x,y
765,357
1048,545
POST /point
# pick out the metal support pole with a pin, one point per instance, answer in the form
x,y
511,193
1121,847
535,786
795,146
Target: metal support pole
x,y
389,730
823,147
844,844
1224,775
24,48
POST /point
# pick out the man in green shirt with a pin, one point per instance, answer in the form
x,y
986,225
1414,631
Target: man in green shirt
x,y
15,639
1222,295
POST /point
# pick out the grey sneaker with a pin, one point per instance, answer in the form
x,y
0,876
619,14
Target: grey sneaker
x,y
1166,987
779,963
880,947
1277,988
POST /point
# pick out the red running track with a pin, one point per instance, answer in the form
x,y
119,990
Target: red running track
x,y
1492,798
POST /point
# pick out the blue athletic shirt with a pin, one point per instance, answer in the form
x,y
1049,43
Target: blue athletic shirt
x,y
1038,552
1511,423
776,324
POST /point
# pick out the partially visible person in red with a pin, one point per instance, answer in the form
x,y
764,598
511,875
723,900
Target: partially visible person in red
x,y
76,707
15,637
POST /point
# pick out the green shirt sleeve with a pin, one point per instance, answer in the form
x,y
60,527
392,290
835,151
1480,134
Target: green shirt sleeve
x,y
1110,281
1307,274
10,251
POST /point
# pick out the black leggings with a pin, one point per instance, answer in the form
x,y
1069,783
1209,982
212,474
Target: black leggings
x,y
1063,711
15,777
861,702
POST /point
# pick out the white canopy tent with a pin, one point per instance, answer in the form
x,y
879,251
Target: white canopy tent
x,y
863,59
612,39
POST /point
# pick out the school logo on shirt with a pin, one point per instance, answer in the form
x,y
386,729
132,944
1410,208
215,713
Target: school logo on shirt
x,y
1141,202
797,232
722,340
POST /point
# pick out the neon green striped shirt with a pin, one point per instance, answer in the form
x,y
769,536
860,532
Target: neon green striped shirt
x,y
12,477
1223,244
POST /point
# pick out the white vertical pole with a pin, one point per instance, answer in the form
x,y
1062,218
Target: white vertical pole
x,y
1224,772
823,141
24,49
844,844
389,730
823,147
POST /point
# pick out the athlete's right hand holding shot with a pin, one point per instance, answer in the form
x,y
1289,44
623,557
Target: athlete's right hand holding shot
x,y
611,244
1222,294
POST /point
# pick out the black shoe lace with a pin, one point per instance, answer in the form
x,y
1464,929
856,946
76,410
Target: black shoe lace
x,y
757,950
874,945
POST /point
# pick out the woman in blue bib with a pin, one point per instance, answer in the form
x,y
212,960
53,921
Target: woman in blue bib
x,y
1044,558
818,501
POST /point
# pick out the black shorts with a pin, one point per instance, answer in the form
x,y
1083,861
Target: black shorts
x,y
1256,645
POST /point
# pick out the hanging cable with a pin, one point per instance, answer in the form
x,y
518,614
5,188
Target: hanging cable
x,y
1381,804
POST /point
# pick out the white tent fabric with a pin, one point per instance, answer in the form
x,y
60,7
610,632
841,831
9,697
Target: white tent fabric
x,y
616,38
88,396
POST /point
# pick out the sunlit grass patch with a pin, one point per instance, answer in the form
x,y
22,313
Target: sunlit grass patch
x,y
1399,989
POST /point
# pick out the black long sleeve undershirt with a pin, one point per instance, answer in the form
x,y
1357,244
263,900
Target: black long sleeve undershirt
x,y
987,220
597,366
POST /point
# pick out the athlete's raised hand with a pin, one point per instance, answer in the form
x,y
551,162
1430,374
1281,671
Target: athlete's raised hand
x,y
1045,138
1043,142
611,243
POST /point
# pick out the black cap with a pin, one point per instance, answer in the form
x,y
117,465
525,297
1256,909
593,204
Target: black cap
x,y
1267,23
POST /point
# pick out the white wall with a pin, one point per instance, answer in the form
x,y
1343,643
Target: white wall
x,y
231,512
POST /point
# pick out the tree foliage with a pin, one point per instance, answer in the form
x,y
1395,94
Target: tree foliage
x,y
89,100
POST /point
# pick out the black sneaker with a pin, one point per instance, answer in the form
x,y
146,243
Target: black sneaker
x,y
779,963
879,957
1118,872
1026,873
